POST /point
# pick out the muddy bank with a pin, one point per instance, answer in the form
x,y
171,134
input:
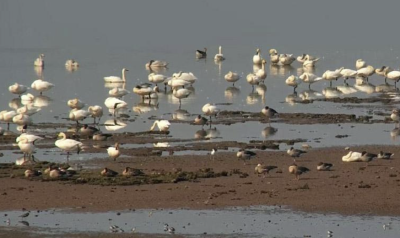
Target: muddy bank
x,y
350,188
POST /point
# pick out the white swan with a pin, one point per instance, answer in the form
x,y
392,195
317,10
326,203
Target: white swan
x,y
116,79
219,56
17,89
113,151
96,112
157,78
261,73
26,147
175,83
302,58
293,81
286,59
39,62
68,145
75,103
366,72
163,125
348,73
41,86
156,63
7,117
71,63
274,56
332,75
352,157
181,93
393,75
78,115
252,79
257,59
310,78
145,89
117,92
232,77
30,137
189,77
309,61
114,104
210,110
360,64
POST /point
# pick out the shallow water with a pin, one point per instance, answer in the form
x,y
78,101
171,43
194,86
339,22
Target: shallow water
x,y
253,221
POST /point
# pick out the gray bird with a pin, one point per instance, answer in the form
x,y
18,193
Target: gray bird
x,y
24,215
324,166
99,136
263,169
201,54
297,170
245,154
295,152
268,113
383,155
367,157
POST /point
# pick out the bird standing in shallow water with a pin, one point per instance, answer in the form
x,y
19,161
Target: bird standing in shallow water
x,y
199,120
268,113
114,152
201,54
212,153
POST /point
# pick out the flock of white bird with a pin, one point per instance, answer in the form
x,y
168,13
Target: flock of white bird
x,y
21,116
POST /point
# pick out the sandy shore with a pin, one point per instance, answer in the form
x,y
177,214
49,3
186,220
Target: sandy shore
x,y
348,189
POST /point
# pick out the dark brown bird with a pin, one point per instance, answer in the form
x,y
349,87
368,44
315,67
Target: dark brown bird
x,y
108,173
324,166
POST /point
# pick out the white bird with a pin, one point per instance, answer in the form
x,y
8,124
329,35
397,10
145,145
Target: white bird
x,y
7,117
219,56
26,147
293,81
393,75
332,75
41,86
156,63
382,71
395,116
232,77
68,145
348,73
181,93
39,62
210,110
366,72
157,78
257,59
30,137
71,63
22,119
302,58
17,89
352,157
78,115
117,92
75,103
116,79
309,78
163,125
176,83
189,77
253,79
286,59
113,151
115,103
274,56
145,89
360,64
309,61
261,73
96,112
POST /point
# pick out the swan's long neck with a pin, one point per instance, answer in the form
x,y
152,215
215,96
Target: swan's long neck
x,y
123,75
263,66
154,125
220,50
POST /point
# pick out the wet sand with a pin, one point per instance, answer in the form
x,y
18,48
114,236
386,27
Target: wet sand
x,y
347,189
